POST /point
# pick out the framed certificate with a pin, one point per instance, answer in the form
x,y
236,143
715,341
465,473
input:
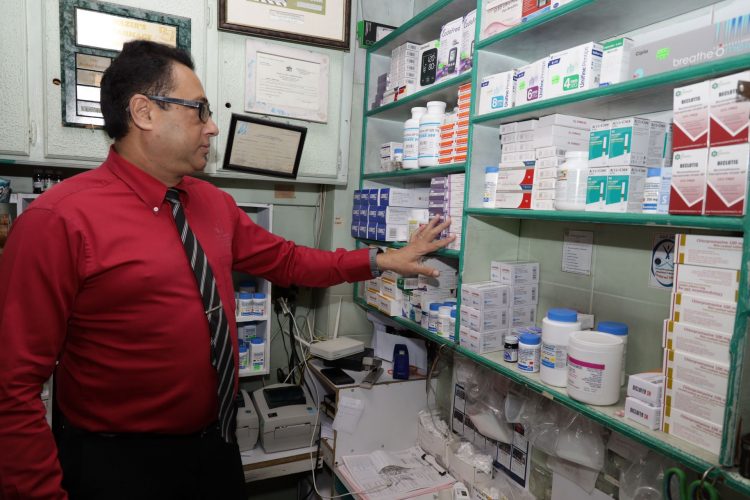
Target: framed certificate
x,y
264,147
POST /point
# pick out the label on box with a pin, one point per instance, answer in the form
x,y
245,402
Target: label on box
x,y
708,282
697,341
703,373
726,180
710,251
729,115
687,193
688,398
691,117
529,81
695,430
706,313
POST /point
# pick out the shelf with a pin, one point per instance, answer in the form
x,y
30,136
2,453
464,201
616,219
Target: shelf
x,y
251,319
659,220
418,173
445,90
451,254
408,324
582,21
247,372
425,26
642,95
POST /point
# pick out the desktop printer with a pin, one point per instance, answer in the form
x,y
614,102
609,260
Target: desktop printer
x,y
287,417
247,422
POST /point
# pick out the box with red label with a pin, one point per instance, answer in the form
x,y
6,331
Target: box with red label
x,y
729,114
515,178
726,180
688,189
517,200
691,116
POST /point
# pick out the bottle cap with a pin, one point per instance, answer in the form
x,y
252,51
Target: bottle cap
x,y
531,338
491,170
653,172
612,327
246,295
435,306
259,295
256,340
453,313
562,314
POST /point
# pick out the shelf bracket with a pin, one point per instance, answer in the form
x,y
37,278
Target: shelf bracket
x,y
743,89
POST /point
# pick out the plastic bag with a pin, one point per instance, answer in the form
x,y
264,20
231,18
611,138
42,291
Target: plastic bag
x,y
580,441
540,418
643,479
486,406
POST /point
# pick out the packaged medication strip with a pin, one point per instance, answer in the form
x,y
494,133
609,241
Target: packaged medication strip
x,y
726,180
706,313
625,189
729,115
705,374
647,387
707,282
695,430
530,82
690,130
599,144
688,191
512,272
568,121
596,189
573,70
708,250
629,142
496,92
616,61
682,396
643,413
696,341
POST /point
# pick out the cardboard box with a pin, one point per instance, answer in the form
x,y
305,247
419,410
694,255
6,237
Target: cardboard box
x,y
572,70
482,342
696,341
392,232
523,126
496,92
616,61
599,144
523,316
513,200
708,250
557,135
515,178
543,194
706,313
449,53
726,180
486,294
656,142
690,399
530,82
698,431
729,115
629,142
707,282
554,151
484,320
542,204
647,387
467,41
706,374
542,185
688,191
524,295
511,272
516,147
549,163
690,129
596,189
571,121
499,15
625,189
638,411
400,197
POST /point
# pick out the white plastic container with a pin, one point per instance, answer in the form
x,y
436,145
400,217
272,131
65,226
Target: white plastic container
x,y
452,333
529,345
594,366
491,175
245,305
651,191
433,318
411,139
556,329
259,304
244,356
572,181
619,330
257,354
444,321
429,133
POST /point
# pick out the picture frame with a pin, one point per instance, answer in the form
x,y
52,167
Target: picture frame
x,y
264,147
323,23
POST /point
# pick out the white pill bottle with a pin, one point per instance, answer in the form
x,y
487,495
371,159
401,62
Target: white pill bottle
x,y
594,366
556,329
429,133
411,139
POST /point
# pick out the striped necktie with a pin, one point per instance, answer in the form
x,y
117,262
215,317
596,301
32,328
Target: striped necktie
x,y
222,357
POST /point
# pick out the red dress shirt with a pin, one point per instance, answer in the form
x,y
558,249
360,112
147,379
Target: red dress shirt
x,y
94,276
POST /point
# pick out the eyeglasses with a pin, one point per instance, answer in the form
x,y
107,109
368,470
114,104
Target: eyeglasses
x,y
204,110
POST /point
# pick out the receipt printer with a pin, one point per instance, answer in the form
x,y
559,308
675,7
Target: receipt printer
x,y
247,422
287,417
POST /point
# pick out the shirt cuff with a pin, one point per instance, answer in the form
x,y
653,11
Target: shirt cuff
x,y
374,269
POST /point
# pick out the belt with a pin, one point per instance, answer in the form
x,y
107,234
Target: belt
x,y
210,430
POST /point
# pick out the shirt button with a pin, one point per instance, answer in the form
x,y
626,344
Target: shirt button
x,y
156,209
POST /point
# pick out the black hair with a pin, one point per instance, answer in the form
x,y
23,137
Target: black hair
x,y
142,67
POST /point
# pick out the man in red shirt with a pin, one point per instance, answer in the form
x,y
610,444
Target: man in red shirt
x,y
95,277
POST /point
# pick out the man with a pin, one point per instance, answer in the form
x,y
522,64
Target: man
x,y
102,275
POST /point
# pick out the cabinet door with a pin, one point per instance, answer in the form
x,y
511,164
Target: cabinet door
x,y
14,126
74,143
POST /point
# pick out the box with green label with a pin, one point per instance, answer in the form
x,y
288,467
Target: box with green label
x,y
629,142
625,189
573,70
599,144
596,189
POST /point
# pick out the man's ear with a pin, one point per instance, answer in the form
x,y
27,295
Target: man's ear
x,y
141,112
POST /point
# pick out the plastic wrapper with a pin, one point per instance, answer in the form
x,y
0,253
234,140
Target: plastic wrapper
x,y
580,441
432,423
479,461
643,479
540,418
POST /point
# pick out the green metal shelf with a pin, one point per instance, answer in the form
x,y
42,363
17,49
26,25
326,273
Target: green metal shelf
x,y
686,221
445,90
421,173
557,29
642,95
451,254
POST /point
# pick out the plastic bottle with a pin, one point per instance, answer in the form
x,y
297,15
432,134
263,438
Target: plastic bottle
x,y
434,316
259,304
411,139
444,321
651,191
510,353
594,368
257,354
429,133
572,181
619,330
38,182
556,329
245,305
244,355
452,334
528,352
491,175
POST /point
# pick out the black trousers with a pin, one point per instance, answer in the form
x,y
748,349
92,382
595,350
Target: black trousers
x,y
199,466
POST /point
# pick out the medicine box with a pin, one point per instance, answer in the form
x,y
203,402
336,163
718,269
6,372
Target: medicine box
x,y
467,41
553,152
523,316
400,215
514,273
484,320
481,342
690,399
517,157
399,197
542,204
696,430
687,195
543,184
496,92
696,341
596,189
707,282
542,194
392,232
616,61
530,82
572,70
729,115
629,142
706,374
515,178
656,147
524,295
557,135
390,289
643,413
513,200
524,126
599,144
533,8
499,15
708,250
571,121
647,387
690,130
486,294
389,306
706,313
625,189
447,280
449,53
549,163
726,180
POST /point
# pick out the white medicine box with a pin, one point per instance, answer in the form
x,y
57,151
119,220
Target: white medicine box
x,y
496,92
573,70
514,272
629,142
625,189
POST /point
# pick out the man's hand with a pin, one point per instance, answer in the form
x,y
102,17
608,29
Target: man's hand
x,y
408,260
